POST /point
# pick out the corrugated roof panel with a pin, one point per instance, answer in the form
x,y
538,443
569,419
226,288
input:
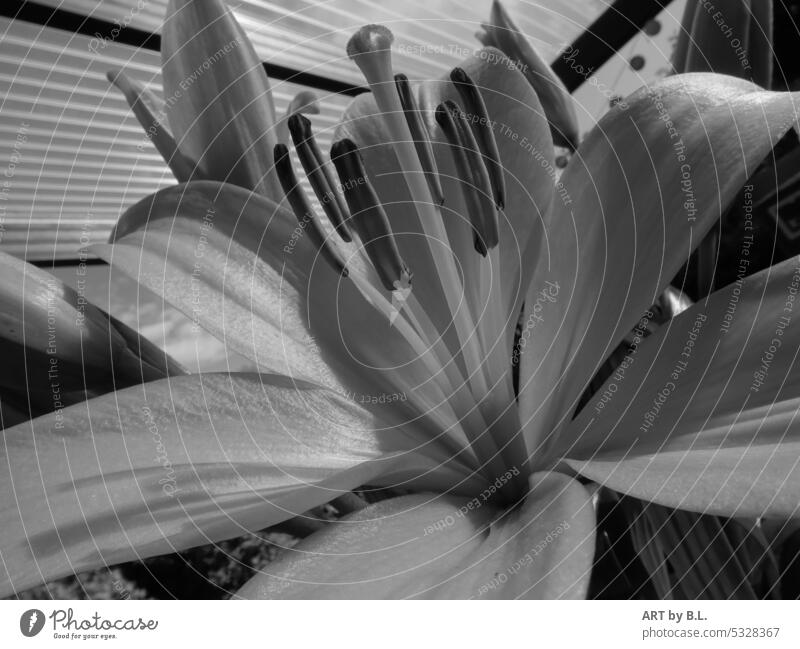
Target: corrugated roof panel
x,y
310,35
76,156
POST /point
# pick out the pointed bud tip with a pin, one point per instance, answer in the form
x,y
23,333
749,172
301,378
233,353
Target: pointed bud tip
x,y
500,16
370,38
117,78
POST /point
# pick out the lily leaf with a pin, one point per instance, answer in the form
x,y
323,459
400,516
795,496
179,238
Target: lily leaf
x,y
708,39
432,546
699,556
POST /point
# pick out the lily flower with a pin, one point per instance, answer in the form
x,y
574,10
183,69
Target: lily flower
x,y
385,342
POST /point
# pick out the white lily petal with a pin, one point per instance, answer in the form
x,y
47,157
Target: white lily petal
x,y
167,465
644,188
243,269
429,546
185,243
704,418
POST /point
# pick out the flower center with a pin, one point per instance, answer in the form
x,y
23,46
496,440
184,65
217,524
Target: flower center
x,y
476,377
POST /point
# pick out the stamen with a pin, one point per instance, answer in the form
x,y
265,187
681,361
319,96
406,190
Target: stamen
x,y
304,212
482,129
475,184
319,176
422,139
370,49
476,187
369,218
305,102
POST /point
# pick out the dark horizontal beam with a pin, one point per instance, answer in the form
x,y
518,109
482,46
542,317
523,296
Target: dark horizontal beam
x,y
40,14
67,262
603,38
